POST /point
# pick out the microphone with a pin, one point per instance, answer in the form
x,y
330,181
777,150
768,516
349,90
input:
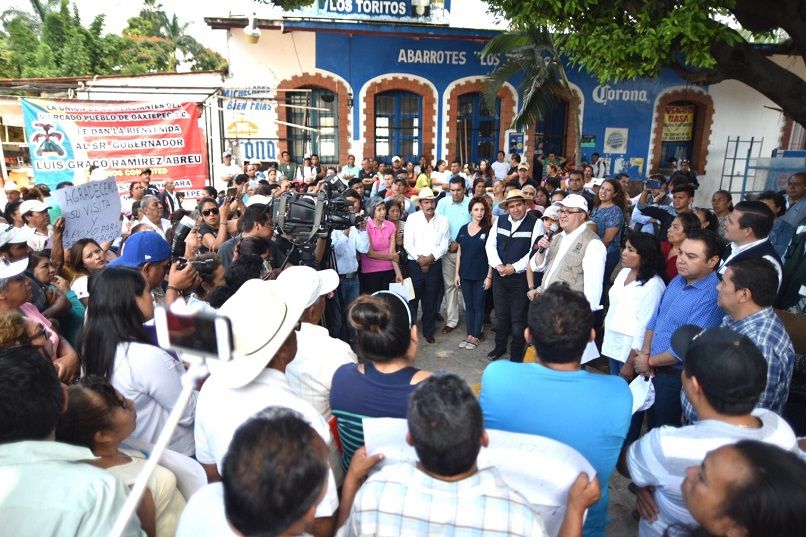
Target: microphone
x,y
549,234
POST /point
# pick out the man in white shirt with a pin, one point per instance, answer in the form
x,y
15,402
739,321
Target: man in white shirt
x,y
599,166
318,355
426,240
35,215
47,487
226,172
278,496
724,375
152,215
265,343
500,167
575,256
346,245
508,249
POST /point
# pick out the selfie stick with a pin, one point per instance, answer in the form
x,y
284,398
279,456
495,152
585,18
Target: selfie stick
x,y
195,373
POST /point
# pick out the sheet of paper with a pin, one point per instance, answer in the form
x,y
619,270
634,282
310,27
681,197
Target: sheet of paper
x,y
540,468
402,289
590,353
643,393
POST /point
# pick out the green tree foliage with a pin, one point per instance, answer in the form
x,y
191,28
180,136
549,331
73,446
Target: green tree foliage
x,y
50,40
704,41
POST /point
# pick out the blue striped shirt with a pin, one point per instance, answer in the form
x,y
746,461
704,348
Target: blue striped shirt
x,y
681,304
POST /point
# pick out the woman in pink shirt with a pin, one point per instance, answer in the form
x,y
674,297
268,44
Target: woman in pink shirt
x,y
379,266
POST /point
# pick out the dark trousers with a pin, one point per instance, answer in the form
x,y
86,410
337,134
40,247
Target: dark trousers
x,y
337,307
372,282
428,290
667,409
473,293
511,306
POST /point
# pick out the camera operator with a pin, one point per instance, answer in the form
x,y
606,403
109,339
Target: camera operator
x,y
255,222
346,244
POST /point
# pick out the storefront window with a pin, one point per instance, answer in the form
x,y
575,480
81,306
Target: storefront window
x,y
398,130
317,109
677,141
477,128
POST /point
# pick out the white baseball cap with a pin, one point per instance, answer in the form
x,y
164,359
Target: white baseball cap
x,y
9,269
552,211
11,186
32,206
15,235
257,198
308,282
573,201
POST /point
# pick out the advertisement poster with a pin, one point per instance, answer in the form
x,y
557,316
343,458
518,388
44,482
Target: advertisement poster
x,y
615,140
66,138
678,123
515,142
588,141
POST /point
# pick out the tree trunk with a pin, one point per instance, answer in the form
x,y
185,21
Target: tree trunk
x,y
746,64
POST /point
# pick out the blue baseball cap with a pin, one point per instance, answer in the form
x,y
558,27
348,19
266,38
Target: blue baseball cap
x,y
141,248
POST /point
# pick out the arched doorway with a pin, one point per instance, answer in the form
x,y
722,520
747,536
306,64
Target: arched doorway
x,y
683,121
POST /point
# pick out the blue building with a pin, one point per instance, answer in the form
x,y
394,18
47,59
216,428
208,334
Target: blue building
x,y
374,78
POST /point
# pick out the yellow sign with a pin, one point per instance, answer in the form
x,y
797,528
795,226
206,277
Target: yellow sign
x,y
678,123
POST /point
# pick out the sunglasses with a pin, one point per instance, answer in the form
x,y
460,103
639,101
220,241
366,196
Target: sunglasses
x,y
208,212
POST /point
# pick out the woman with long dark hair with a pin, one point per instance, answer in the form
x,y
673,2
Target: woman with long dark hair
x,y
85,257
634,297
114,345
473,274
213,228
608,222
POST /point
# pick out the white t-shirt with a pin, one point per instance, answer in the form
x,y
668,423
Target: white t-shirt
x,y
205,514
223,170
660,459
500,169
79,287
221,410
152,378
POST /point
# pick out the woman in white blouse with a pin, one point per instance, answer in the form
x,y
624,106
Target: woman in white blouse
x,y
634,297
114,344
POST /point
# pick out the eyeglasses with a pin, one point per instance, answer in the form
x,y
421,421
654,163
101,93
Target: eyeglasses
x,y
566,212
208,212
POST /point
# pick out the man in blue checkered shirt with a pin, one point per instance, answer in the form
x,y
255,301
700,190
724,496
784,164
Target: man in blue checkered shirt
x,y
690,298
746,293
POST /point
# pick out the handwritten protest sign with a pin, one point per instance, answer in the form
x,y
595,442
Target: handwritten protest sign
x,y
91,210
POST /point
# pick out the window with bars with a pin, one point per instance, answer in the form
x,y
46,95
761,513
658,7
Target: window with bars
x,y
398,129
316,109
477,129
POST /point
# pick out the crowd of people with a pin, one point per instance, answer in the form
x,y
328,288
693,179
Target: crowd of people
x,y
558,266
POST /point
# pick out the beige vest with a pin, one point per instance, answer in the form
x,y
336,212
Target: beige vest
x,y
570,270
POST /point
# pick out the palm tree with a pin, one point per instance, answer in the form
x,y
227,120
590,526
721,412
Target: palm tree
x,y
530,54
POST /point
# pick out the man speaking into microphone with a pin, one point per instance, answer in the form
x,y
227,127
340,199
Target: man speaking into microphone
x,y
508,248
575,256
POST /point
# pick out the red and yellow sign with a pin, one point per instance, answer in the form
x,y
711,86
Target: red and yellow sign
x,y
67,138
678,123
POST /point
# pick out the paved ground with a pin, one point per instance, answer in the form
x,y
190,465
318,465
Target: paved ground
x,y
445,355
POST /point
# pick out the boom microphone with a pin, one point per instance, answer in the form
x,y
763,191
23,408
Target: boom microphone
x,y
549,234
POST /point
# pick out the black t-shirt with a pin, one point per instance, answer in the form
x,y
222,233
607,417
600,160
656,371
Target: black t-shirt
x,y
517,183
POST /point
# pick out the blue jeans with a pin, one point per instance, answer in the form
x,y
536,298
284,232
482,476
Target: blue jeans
x,y
667,409
473,293
637,419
